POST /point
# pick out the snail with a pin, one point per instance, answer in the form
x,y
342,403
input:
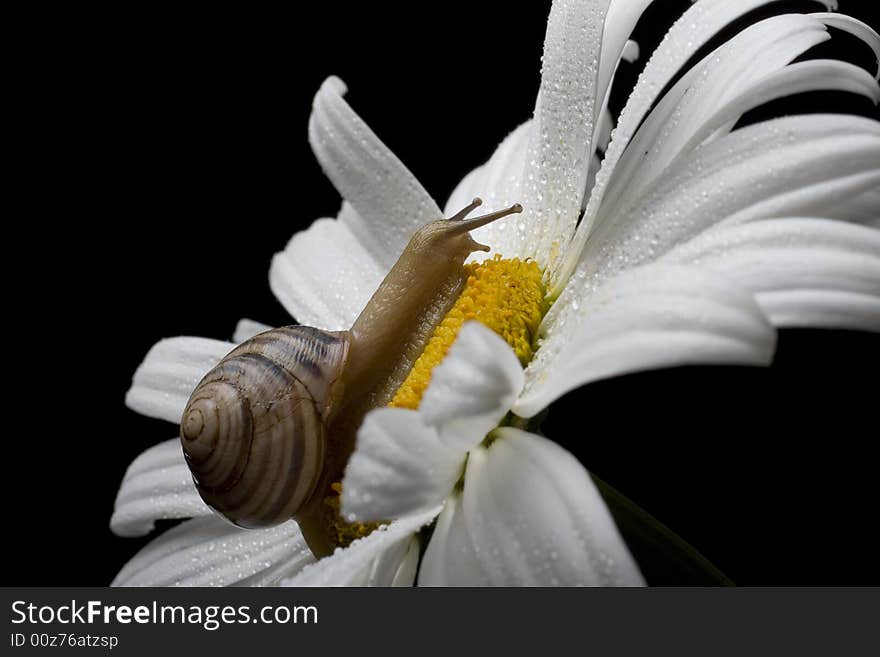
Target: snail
x,y
270,428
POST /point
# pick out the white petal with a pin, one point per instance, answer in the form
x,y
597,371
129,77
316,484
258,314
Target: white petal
x,y
399,466
631,52
451,559
157,486
171,370
472,389
594,168
804,272
823,308
324,277
405,575
560,149
650,317
862,208
532,517
603,134
348,566
499,184
616,47
248,328
211,552
396,566
619,24
689,33
798,165
388,199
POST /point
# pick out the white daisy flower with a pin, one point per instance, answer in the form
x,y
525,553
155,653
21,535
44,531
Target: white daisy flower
x,y
689,243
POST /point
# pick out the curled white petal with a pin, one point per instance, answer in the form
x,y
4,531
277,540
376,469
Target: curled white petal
x,y
399,466
687,109
472,389
856,28
619,23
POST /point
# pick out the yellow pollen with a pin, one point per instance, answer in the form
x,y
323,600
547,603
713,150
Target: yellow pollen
x,y
507,296
343,532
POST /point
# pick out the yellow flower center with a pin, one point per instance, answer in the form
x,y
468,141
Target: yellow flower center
x,y
508,296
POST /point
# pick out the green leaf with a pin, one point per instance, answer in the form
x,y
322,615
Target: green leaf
x,y
663,556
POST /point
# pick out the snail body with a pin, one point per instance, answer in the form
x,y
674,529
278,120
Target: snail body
x,y
270,428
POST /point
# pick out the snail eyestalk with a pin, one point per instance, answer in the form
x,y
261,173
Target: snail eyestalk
x,y
466,210
468,225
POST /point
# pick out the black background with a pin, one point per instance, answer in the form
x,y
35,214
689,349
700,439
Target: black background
x,y
165,160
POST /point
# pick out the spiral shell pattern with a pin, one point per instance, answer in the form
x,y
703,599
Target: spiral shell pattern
x,y
253,430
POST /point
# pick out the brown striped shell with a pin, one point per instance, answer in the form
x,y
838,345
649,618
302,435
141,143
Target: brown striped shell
x,y
253,430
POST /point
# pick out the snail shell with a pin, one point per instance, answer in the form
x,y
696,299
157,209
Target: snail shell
x,y
253,432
